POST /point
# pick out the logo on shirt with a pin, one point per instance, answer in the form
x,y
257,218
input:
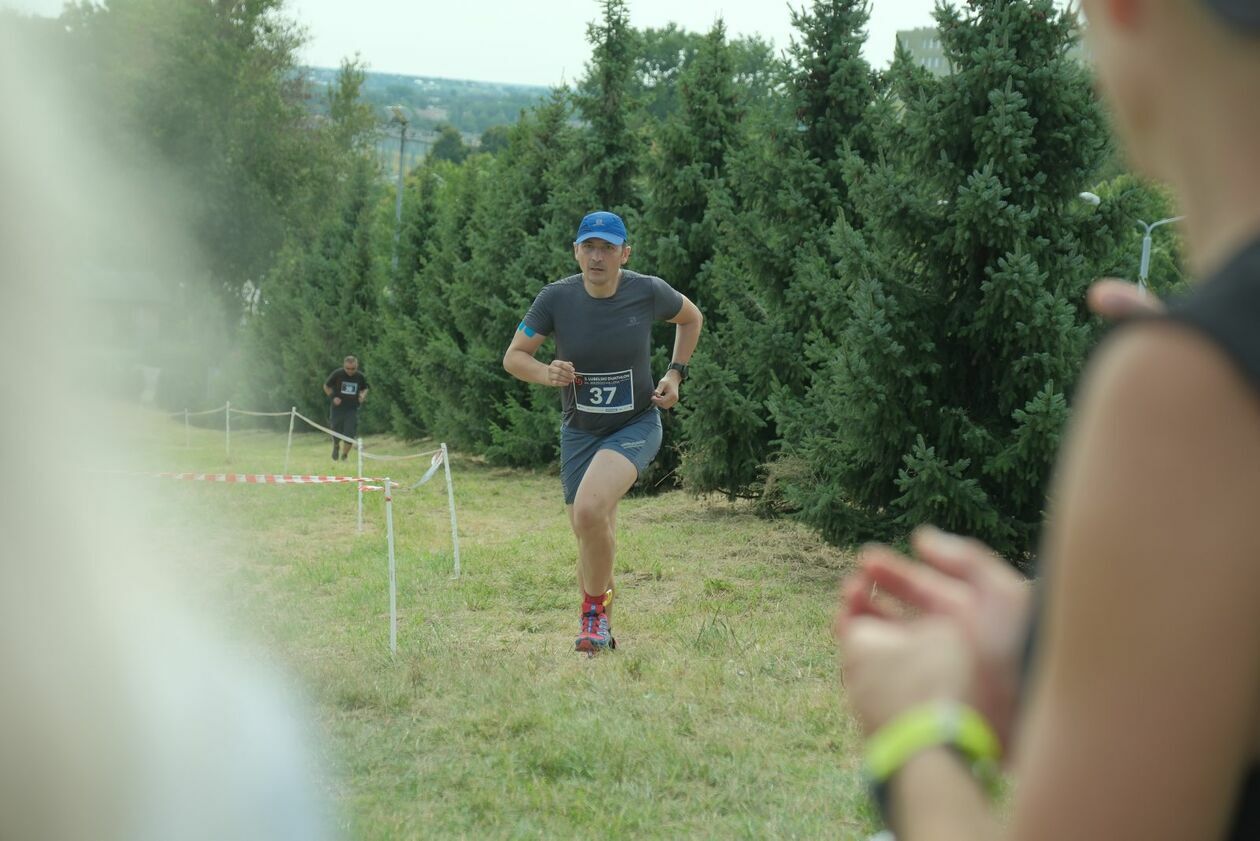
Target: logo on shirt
x,y
349,387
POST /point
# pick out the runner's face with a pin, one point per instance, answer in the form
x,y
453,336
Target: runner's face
x,y
351,368
599,259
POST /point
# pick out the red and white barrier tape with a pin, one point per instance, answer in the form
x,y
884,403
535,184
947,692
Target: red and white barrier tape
x,y
273,479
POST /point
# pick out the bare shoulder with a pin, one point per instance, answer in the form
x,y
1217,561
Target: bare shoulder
x,y
1167,434
1148,680
1163,393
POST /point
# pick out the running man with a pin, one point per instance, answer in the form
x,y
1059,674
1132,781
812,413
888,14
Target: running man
x,y
348,389
602,323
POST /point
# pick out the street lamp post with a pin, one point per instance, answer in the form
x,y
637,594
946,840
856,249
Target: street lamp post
x,y
400,117
1145,269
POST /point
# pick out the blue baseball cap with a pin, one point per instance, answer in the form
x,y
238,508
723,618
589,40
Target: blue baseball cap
x,y
603,225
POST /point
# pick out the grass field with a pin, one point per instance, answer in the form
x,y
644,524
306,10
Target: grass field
x,y
718,717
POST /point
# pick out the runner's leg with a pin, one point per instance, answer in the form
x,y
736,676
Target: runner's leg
x,y
593,518
581,582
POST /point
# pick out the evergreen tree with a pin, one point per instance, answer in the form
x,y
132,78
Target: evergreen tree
x,y
679,233
662,54
402,340
320,304
831,86
945,394
213,90
444,354
538,205
772,271
478,243
495,139
449,146
613,146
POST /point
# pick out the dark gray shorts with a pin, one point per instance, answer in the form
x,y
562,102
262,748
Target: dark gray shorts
x,y
639,441
345,421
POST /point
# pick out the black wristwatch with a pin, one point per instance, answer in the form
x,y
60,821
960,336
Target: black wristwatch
x,y
680,367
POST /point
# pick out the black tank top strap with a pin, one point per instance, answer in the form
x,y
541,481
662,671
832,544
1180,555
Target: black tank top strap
x,y
1226,309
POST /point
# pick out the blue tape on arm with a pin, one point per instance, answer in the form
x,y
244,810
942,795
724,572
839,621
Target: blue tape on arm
x,y
526,330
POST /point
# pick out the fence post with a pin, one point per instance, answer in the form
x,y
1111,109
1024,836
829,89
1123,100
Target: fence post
x,y
393,585
227,426
289,446
358,446
450,500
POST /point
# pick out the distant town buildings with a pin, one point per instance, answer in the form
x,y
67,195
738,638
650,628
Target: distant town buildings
x,y
924,45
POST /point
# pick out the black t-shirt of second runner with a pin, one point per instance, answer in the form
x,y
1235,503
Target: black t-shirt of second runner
x,y
346,386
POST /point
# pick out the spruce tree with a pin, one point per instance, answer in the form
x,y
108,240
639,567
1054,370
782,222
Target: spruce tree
x,y
402,339
679,234
320,304
944,397
444,355
613,145
538,202
785,192
687,170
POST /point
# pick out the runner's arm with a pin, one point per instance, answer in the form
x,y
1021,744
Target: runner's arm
x,y
689,321
519,361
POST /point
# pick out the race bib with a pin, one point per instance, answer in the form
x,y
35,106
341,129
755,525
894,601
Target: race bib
x,y
349,387
604,394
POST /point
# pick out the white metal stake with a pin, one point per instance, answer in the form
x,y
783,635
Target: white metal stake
x,y
393,583
289,446
450,500
227,426
358,446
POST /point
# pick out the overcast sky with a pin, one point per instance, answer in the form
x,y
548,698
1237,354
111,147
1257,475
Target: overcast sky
x,y
540,43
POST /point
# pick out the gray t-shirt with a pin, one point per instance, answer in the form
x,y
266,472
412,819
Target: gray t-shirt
x,y
609,342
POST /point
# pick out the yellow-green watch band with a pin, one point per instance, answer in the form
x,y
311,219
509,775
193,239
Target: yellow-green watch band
x,y
937,724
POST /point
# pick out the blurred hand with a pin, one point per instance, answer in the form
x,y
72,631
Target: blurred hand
x,y
962,582
1116,300
560,373
666,393
891,666
362,395
336,401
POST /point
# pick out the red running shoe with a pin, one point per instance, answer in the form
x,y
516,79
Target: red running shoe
x,y
596,632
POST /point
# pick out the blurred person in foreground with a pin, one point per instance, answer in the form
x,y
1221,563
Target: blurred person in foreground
x,y
1127,697
126,714
347,388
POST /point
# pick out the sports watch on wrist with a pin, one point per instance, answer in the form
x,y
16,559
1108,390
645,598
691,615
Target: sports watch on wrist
x,y
680,367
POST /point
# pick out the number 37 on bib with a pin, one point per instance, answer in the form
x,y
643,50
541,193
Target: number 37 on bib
x,y
604,393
